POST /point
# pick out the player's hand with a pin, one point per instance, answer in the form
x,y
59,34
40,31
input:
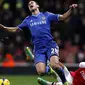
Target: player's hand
x,y
73,6
1,26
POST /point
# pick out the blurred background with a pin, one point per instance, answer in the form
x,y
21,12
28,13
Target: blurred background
x,y
69,35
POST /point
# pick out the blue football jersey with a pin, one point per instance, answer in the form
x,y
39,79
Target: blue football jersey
x,y
39,25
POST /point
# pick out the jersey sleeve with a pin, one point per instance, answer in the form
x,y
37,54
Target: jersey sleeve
x,y
82,65
23,24
53,17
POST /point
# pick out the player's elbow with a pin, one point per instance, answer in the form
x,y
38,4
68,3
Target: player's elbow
x,y
62,17
11,30
14,30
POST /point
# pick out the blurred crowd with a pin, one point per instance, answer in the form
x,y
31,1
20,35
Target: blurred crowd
x,y
68,34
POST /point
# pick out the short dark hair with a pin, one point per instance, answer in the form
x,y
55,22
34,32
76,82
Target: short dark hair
x,y
34,1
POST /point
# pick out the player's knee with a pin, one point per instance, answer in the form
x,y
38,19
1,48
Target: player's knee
x,y
41,71
55,65
54,61
40,67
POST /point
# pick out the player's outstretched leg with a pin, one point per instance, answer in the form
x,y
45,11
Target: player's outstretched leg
x,y
44,82
54,74
48,70
58,67
58,79
51,71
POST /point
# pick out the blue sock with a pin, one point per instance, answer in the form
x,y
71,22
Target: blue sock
x,y
61,74
47,69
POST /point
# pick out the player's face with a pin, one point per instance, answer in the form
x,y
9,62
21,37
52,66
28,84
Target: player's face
x,y
32,5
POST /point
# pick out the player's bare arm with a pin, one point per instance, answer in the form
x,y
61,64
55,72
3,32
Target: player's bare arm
x,y
9,29
68,13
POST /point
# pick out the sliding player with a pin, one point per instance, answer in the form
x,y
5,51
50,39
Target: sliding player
x,y
74,77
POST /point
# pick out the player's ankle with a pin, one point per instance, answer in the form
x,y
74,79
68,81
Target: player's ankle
x,y
53,83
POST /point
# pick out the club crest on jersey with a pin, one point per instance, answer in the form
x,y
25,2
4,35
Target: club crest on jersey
x,y
31,20
43,18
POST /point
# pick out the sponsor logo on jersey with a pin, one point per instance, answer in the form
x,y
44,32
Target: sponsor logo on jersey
x,y
42,22
38,23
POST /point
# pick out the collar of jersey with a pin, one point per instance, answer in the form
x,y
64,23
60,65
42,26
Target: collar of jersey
x,y
36,15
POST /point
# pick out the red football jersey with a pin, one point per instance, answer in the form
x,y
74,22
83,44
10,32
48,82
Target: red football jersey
x,y
78,76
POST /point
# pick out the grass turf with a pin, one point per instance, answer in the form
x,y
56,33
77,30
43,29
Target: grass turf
x,y
25,79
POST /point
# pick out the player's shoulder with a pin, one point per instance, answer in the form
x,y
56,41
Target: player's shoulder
x,y
46,12
28,18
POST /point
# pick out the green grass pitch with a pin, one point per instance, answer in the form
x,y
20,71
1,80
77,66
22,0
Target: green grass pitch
x,y
25,79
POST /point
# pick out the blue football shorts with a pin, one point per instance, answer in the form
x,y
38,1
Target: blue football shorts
x,y
45,52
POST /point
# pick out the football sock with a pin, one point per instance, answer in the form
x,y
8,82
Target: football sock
x,y
47,69
61,74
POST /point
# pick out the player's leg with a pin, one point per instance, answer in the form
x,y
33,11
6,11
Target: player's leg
x,y
40,67
53,56
54,74
68,76
29,53
45,82
45,70
40,63
54,62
